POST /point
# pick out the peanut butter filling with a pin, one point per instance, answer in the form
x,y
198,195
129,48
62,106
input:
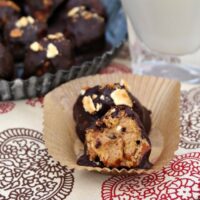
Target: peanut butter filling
x,y
117,142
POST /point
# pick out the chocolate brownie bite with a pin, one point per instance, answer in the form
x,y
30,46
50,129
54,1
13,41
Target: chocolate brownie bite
x,y
20,33
118,139
49,54
41,9
6,63
94,102
8,11
85,28
95,6
90,55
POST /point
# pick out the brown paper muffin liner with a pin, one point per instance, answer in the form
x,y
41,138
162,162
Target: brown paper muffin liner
x,y
159,95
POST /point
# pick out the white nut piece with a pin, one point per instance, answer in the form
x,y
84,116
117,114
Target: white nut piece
x,y
75,10
88,104
113,110
55,36
121,97
24,21
124,83
98,107
102,97
94,96
82,92
30,20
52,51
101,19
36,46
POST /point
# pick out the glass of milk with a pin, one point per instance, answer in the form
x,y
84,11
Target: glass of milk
x,y
165,37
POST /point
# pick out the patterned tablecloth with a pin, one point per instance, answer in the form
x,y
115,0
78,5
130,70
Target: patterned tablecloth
x,y
27,172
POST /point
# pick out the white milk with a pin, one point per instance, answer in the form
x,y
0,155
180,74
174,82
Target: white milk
x,y
166,26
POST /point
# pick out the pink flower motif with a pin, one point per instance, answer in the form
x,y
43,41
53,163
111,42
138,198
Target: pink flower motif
x,y
164,197
126,188
35,102
183,189
114,68
21,194
127,197
6,107
153,179
178,168
159,185
149,192
6,177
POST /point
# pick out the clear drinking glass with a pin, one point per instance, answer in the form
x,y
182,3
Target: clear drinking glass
x,y
165,38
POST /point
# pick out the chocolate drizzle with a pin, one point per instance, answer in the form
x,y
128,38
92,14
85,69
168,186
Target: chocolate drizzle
x,y
85,121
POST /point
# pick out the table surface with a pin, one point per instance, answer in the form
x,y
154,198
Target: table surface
x,y
27,171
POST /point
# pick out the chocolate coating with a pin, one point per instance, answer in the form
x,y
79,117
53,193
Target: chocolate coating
x,y
20,33
20,3
91,54
8,11
41,9
6,64
91,5
118,139
50,54
85,28
84,119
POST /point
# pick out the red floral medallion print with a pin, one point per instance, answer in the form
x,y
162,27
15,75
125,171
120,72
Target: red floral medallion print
x,y
190,119
27,172
35,102
179,180
194,95
115,68
6,107
185,189
186,105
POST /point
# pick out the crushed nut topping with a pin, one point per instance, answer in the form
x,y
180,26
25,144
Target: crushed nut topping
x,y
55,36
87,15
30,20
24,21
81,11
36,46
94,96
52,51
75,10
16,33
82,92
95,15
124,83
121,97
89,106
98,107
113,110
102,97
